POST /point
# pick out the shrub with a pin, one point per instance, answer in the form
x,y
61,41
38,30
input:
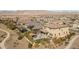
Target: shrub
x,y
29,45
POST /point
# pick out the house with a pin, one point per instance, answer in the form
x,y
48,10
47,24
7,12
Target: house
x,y
76,25
56,29
34,25
53,30
58,32
22,28
39,36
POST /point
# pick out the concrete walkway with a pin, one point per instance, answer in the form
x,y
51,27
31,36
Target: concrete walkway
x,y
28,40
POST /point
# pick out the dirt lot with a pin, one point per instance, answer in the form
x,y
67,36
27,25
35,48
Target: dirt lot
x,y
75,45
13,42
16,44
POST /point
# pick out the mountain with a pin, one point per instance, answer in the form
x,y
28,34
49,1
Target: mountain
x,y
36,12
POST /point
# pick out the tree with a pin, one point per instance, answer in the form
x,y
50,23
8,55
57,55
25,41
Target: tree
x,y
64,23
30,27
29,45
21,35
17,18
73,19
66,43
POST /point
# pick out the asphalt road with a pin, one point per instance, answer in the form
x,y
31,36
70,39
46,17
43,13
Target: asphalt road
x,y
72,41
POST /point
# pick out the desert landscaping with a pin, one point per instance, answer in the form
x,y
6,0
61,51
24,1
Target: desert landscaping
x,y
40,29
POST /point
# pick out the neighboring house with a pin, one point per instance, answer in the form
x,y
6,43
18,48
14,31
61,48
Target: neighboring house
x,y
56,29
76,24
34,24
39,36
58,32
53,30
22,28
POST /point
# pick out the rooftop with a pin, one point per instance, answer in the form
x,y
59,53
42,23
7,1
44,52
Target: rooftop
x,y
55,25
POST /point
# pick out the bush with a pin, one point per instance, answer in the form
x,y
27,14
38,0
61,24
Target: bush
x,y
30,27
66,43
20,36
29,45
72,34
